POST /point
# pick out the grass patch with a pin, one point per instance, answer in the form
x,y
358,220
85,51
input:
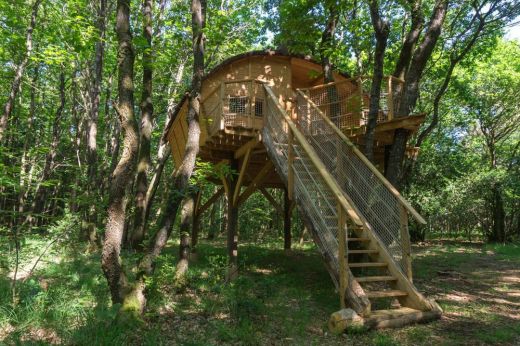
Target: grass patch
x,y
279,298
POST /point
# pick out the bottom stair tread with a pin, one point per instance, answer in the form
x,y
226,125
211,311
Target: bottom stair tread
x,y
387,293
391,313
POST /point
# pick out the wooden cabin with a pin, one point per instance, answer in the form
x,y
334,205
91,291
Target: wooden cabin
x,y
271,118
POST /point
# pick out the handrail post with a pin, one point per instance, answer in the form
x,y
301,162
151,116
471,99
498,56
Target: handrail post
x,y
342,255
405,242
290,162
390,99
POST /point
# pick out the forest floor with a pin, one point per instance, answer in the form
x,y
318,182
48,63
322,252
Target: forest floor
x,y
279,299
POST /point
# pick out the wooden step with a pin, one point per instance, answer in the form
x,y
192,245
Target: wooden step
x,y
367,264
375,278
361,251
386,294
358,239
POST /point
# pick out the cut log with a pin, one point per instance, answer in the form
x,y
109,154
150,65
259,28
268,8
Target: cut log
x,y
396,318
340,320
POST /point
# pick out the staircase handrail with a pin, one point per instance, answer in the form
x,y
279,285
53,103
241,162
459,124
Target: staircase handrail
x,y
367,162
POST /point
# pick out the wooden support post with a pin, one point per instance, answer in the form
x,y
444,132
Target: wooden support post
x,y
243,169
390,99
271,199
210,201
287,221
342,256
232,223
251,144
405,242
195,223
290,164
257,181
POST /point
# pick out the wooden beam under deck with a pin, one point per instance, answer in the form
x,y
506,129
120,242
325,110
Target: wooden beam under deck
x,y
257,181
271,199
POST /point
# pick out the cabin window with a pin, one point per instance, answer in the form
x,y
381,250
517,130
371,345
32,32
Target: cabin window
x,y
238,104
259,107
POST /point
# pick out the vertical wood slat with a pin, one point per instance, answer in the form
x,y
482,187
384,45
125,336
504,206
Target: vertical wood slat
x,y
222,105
342,255
361,101
290,161
405,242
390,99
250,103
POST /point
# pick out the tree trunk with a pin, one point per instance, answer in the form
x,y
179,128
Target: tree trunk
x,y
124,171
405,55
212,229
232,224
162,155
499,226
195,225
18,74
187,217
92,122
25,167
326,45
41,191
146,130
287,221
382,29
411,90
95,95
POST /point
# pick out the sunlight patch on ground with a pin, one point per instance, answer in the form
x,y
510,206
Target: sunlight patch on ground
x,y
513,279
263,271
459,297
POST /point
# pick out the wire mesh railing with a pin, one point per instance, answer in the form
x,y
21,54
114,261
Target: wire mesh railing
x,y
310,188
378,205
347,102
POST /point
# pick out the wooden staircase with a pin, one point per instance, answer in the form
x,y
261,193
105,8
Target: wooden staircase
x,y
370,268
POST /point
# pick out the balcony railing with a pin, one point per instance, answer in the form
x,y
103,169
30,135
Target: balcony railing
x,y
235,104
347,102
240,104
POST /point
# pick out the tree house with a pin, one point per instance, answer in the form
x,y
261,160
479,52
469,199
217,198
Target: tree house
x,y
271,118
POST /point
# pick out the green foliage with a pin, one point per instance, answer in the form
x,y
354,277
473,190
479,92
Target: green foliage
x,y
475,150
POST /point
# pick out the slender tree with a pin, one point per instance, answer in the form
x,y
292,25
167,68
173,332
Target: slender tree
x,y
382,30
124,171
144,160
19,70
